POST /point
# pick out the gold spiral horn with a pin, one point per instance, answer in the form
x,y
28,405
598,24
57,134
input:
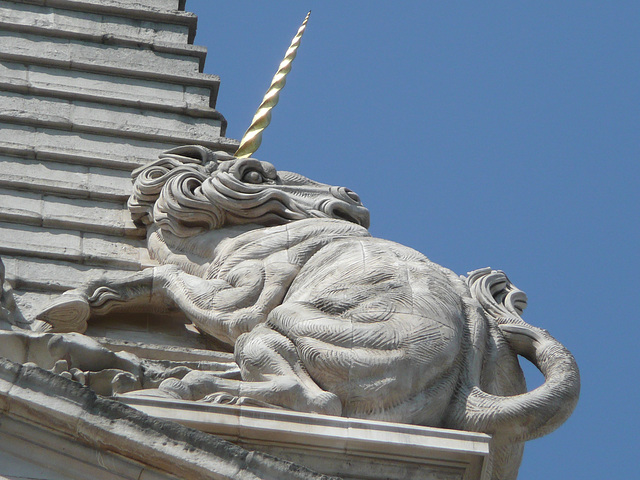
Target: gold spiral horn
x,y
253,136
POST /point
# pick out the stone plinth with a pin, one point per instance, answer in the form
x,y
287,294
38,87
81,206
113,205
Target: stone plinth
x,y
345,447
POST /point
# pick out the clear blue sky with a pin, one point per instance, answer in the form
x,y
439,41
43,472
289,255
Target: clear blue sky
x,y
500,134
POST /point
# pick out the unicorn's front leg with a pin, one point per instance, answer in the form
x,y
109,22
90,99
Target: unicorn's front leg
x,y
71,311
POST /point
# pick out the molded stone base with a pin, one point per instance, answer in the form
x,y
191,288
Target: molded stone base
x,y
345,447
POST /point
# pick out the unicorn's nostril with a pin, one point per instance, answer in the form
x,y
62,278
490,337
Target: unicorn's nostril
x,y
352,195
343,214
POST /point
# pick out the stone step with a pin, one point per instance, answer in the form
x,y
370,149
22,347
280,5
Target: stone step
x,y
29,273
28,24
54,145
165,11
96,27
51,211
142,6
73,180
111,120
110,59
96,87
101,56
72,147
72,246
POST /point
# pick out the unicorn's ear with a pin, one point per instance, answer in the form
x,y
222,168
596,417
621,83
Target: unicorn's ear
x,y
221,156
192,154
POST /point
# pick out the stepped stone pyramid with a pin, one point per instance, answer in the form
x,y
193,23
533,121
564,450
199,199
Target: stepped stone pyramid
x,y
90,90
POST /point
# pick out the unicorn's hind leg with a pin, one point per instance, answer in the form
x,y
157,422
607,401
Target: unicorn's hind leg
x,y
271,374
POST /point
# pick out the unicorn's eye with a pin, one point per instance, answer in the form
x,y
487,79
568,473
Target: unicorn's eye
x,y
252,176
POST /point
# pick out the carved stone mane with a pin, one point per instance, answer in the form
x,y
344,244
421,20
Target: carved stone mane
x,y
191,190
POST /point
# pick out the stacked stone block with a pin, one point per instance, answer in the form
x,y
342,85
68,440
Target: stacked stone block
x,y
90,90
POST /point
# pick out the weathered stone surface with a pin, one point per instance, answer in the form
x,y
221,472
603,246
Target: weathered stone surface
x,y
85,148
31,302
89,248
33,396
105,250
48,243
10,315
44,274
145,330
25,206
44,176
147,10
68,179
99,57
96,87
155,4
137,7
110,184
356,448
189,356
73,147
92,216
35,452
105,119
59,212
181,50
99,27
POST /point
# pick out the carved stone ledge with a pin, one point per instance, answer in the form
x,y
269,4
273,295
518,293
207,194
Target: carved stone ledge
x,y
45,413
346,447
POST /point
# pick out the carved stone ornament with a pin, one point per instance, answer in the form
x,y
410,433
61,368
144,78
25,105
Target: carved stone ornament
x,y
321,316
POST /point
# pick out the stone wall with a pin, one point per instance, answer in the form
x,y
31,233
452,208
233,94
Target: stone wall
x,y
90,90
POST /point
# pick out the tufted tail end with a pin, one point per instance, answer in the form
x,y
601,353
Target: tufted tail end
x,y
542,410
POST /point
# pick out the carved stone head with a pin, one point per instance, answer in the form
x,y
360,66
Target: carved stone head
x,y
191,189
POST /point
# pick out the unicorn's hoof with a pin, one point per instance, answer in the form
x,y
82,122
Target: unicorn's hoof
x,y
67,313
